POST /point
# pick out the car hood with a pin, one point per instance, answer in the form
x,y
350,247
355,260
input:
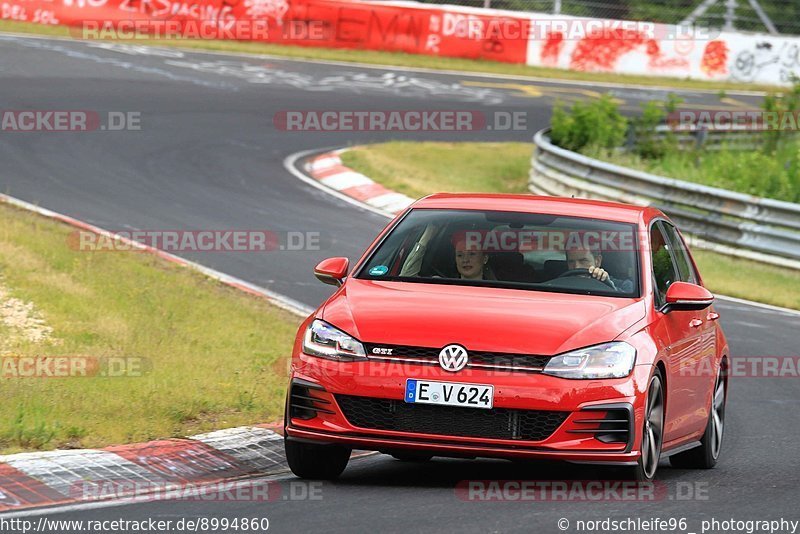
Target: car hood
x,y
479,318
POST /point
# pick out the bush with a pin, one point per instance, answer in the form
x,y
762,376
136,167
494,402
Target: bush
x,y
645,143
596,127
752,172
782,103
591,123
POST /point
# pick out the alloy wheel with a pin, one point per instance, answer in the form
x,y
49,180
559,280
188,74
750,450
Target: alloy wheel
x,y
653,427
717,416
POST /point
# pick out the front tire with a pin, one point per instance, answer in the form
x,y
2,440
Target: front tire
x,y
652,431
706,455
316,462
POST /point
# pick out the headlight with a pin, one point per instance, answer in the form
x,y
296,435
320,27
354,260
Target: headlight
x,y
326,341
609,360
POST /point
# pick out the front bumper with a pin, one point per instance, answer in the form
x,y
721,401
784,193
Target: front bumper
x,y
600,417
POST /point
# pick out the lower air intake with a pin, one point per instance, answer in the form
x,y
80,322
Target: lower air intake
x,y
497,423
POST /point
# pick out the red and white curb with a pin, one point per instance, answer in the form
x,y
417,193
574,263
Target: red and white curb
x,y
328,170
165,468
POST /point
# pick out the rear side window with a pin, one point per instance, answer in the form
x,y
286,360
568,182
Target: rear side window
x,y
664,271
684,264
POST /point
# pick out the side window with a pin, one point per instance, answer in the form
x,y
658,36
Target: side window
x,y
685,268
664,272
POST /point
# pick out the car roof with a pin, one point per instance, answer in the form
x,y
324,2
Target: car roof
x,y
575,207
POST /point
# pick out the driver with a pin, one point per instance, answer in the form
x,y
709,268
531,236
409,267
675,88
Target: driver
x,y
590,259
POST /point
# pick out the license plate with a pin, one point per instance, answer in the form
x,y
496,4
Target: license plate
x,y
449,393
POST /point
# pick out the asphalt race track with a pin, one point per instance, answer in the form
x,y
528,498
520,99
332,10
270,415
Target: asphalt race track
x,y
209,157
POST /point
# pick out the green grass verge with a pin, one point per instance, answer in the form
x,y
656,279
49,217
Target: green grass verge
x,y
216,356
752,172
418,169
409,60
749,280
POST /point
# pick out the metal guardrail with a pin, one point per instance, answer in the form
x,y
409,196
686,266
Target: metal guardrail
x,y
695,138
732,223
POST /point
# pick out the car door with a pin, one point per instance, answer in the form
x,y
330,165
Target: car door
x,y
703,369
679,331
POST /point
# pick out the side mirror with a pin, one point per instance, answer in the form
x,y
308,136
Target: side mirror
x,y
683,296
332,271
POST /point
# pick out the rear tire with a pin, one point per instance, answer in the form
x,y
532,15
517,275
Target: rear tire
x,y
652,431
706,455
316,462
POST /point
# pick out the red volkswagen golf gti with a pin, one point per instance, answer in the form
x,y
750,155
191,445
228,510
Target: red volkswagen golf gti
x,y
512,327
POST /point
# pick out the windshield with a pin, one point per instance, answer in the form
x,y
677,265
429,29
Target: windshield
x,y
508,249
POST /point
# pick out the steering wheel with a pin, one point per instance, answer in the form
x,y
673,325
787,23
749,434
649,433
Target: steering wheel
x,y
439,273
584,273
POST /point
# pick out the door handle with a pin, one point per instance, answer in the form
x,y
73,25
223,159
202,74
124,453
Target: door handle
x,y
694,323
712,316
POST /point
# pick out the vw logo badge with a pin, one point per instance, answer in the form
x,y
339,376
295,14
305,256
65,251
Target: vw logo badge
x,y
453,358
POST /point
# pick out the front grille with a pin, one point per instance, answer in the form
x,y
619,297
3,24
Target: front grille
x,y
498,423
430,356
